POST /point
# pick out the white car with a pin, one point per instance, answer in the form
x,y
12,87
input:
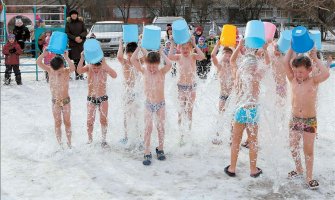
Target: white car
x,y
108,33
162,22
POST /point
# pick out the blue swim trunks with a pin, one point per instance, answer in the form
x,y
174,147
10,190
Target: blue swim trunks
x,y
248,115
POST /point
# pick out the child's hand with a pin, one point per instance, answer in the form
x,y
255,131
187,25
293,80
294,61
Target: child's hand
x,y
121,41
161,49
66,54
312,54
241,43
82,55
193,41
329,59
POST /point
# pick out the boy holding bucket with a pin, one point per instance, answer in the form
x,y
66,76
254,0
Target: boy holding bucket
x,y
187,79
154,79
247,79
130,77
59,77
303,123
225,77
97,70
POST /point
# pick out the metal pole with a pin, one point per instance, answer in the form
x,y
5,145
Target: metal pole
x,y
36,44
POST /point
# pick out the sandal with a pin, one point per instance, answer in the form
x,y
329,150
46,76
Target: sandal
x,y
313,184
293,174
147,159
231,174
257,174
160,154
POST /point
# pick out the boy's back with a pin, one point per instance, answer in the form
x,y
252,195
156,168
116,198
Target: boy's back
x,y
59,83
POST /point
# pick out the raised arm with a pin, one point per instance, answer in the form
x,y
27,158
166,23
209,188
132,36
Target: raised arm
x,y
199,54
234,57
40,63
69,61
172,56
324,71
80,68
214,53
108,69
168,63
287,65
266,53
120,52
135,61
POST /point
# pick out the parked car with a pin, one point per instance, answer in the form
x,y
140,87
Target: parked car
x,y
108,33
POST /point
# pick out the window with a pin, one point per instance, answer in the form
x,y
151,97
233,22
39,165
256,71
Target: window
x,y
107,28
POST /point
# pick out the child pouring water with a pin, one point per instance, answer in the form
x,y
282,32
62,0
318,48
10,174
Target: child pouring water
x,y
303,123
97,97
154,80
49,56
59,77
224,71
247,76
187,79
130,77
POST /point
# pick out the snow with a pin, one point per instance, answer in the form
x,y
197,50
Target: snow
x,y
33,167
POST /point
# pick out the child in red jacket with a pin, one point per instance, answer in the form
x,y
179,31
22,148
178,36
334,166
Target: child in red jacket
x,y
12,52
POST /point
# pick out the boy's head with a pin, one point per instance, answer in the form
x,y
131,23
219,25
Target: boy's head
x,y
130,48
97,66
11,38
57,63
212,34
227,52
167,44
202,40
152,61
198,30
48,33
301,67
169,30
186,49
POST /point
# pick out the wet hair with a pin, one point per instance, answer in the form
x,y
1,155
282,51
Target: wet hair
x,y
318,55
98,64
131,47
302,61
153,58
227,50
57,62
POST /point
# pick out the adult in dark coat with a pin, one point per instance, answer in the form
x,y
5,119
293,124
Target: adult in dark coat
x,y
21,32
76,32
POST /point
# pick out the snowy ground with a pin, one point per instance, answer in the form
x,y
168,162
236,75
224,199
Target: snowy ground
x,y
32,168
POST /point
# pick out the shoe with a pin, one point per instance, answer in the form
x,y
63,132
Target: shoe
x,y
231,174
313,184
257,174
104,145
160,154
147,159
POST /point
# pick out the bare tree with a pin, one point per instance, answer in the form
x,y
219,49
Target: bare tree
x,y
124,7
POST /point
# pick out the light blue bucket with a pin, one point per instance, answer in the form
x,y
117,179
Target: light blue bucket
x,y
316,37
130,33
180,31
151,37
92,51
58,42
301,41
332,65
255,34
284,42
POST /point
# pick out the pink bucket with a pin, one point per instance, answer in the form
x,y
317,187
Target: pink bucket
x,y
270,30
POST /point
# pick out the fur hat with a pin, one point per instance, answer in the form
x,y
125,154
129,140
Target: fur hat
x,y
73,12
18,22
212,32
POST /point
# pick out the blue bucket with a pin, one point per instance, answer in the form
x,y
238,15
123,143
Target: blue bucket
x,y
92,51
130,33
151,37
316,37
332,65
255,34
284,42
180,32
58,42
301,41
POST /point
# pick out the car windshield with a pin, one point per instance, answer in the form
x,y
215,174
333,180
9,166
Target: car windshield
x,y
162,25
107,28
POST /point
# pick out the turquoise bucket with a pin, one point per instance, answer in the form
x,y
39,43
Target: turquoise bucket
x,y
284,42
130,33
316,37
301,41
332,65
58,42
255,34
92,51
180,31
151,37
